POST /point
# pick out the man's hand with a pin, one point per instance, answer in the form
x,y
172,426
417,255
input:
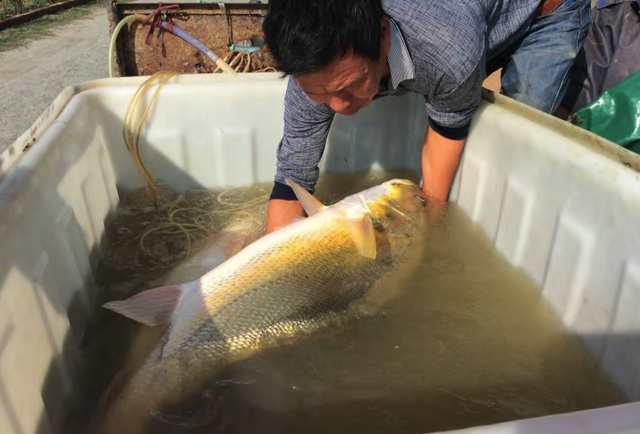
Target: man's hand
x,y
282,212
440,160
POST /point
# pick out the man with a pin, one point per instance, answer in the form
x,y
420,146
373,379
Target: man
x,y
341,54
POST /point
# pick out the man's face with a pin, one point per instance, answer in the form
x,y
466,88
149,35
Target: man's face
x,y
348,83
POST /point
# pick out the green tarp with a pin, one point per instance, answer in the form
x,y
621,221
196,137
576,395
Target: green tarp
x,y
615,115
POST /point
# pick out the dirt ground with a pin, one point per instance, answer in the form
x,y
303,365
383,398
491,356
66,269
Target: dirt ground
x,y
32,77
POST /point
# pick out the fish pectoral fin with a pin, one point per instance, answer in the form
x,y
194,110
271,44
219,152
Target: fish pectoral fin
x,y
310,204
152,307
363,235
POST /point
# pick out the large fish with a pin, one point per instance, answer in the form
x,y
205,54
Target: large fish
x,y
286,285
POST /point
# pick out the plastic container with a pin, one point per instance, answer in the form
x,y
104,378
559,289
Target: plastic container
x,y
558,202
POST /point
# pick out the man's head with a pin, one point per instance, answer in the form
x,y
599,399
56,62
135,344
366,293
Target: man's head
x,y
336,50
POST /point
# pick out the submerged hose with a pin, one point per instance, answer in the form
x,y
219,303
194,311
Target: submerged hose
x,y
112,45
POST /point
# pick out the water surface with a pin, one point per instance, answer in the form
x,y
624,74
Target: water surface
x,y
463,338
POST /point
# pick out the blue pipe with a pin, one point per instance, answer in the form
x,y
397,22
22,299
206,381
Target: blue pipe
x,y
171,27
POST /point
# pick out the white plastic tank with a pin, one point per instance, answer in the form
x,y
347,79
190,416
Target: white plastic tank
x,y
557,201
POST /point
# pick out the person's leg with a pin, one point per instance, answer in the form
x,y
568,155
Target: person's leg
x,y
610,54
537,72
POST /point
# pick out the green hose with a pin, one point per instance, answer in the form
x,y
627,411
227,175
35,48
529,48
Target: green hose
x,y
112,46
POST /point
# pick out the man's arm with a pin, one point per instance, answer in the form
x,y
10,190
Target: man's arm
x,y
281,212
453,94
440,159
306,127
450,105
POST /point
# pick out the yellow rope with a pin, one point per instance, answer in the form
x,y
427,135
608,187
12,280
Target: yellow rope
x,y
165,225
131,131
240,61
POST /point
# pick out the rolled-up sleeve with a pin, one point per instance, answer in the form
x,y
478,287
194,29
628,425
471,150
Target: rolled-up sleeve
x,y
306,127
454,101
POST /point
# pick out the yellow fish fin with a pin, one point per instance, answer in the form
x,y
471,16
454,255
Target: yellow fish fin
x,y
152,307
363,235
310,204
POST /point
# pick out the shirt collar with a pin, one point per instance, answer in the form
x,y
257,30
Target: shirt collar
x,y
399,58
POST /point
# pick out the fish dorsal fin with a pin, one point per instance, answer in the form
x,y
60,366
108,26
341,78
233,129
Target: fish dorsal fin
x,y
152,307
310,204
363,235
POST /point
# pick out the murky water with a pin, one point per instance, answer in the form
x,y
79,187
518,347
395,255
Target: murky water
x,y
465,340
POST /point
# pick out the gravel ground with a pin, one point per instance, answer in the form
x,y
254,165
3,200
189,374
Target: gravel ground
x,y
32,77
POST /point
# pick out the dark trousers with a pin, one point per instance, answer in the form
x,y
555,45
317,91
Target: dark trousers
x,y
610,54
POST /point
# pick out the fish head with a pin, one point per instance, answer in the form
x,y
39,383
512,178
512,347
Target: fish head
x,y
405,196
395,206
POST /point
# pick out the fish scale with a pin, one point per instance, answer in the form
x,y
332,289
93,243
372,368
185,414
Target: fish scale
x,y
287,285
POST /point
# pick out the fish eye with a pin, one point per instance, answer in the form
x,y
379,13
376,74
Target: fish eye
x,y
422,200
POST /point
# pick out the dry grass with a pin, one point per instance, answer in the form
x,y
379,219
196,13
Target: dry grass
x,y
45,26
13,7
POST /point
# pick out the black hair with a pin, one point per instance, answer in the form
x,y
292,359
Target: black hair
x,y
306,35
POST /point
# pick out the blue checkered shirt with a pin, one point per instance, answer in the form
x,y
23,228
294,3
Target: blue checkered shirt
x,y
438,50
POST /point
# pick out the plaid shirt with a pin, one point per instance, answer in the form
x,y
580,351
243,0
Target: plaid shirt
x,y
438,49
